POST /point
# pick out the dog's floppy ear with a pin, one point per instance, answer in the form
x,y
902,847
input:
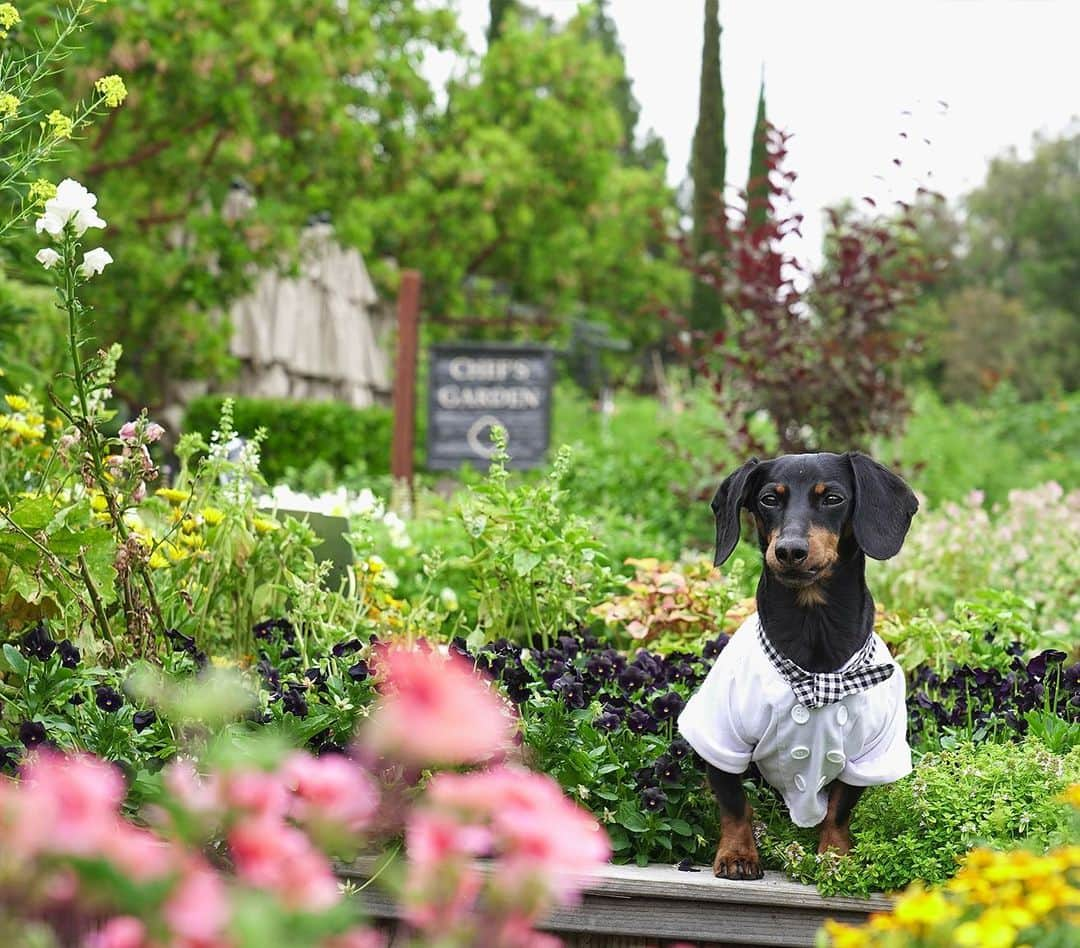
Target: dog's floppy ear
x,y
729,500
884,506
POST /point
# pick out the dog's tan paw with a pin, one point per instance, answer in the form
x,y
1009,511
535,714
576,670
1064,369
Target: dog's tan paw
x,y
836,838
737,855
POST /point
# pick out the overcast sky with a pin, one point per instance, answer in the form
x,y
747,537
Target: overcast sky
x,y
846,77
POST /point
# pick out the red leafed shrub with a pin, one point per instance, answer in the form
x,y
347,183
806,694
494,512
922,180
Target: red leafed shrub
x,y
821,352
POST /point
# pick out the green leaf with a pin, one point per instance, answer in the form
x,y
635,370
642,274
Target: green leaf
x,y
681,827
34,513
15,660
525,561
629,818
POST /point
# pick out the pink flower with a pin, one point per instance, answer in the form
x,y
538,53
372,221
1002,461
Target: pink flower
x,y
153,432
138,853
194,792
128,432
197,911
256,793
139,494
330,789
433,837
439,898
270,855
124,931
436,710
357,938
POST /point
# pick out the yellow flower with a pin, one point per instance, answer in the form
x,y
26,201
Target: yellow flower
x,y
113,90
917,908
98,503
220,661
845,936
1072,795
157,561
41,190
172,495
9,104
17,403
376,564
262,525
212,516
9,16
62,125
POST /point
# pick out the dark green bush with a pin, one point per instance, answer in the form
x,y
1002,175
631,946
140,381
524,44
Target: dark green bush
x,y
300,433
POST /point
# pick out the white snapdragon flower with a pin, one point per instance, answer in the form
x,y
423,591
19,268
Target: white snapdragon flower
x,y
72,202
47,257
94,261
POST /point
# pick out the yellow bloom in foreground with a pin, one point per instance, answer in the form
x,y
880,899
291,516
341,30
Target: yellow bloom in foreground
x,y
9,16
17,403
157,561
172,495
98,503
845,936
9,104
1072,795
113,90
62,125
262,525
916,908
212,516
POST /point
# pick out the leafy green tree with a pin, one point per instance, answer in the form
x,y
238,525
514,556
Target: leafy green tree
x,y
304,105
757,185
499,9
708,166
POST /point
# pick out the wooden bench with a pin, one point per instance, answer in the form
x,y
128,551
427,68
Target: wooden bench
x,y
628,906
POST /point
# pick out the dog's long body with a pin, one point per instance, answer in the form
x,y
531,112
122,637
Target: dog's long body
x,y
805,689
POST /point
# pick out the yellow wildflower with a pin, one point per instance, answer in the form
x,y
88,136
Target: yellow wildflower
x,y
845,936
9,104
9,16
41,190
262,525
917,908
62,125
189,525
212,516
220,661
17,403
98,503
172,495
157,561
112,89
376,565
1072,795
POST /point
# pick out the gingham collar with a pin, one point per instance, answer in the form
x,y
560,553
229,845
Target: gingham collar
x,y
817,689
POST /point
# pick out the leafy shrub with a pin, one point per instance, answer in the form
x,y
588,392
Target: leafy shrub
x,y
1026,546
997,898
298,433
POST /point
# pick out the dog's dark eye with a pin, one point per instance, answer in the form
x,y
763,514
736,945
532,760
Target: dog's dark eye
x,y
769,500
832,500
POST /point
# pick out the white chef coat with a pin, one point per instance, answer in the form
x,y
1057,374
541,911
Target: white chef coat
x,y
745,711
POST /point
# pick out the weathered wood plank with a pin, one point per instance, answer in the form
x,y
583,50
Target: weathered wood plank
x,y
628,906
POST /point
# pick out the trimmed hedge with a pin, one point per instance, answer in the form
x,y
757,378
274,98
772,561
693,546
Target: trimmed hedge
x,y
300,433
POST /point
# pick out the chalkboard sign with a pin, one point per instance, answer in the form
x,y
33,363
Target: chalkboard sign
x,y
475,386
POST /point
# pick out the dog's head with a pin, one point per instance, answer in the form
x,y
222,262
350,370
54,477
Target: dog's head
x,y
810,508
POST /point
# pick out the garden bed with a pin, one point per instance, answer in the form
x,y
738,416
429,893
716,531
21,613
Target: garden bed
x,y
630,906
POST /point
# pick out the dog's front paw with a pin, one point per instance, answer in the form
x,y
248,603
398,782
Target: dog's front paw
x,y
737,855
836,838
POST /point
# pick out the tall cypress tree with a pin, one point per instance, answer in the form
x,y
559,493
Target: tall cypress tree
x,y
499,9
707,168
757,186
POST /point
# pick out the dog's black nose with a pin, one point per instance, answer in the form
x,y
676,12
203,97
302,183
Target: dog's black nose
x,y
792,552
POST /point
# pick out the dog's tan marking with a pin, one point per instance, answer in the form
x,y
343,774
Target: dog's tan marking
x,y
832,834
819,489
780,490
737,855
810,596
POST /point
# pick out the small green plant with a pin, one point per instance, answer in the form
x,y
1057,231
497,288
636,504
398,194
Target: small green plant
x,y
535,569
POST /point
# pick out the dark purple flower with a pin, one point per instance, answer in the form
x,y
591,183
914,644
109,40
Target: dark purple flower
x,y
600,666
1016,649
69,654
141,720
516,681
294,702
359,671
1071,676
569,689
1016,722
269,674
316,676
346,648
667,769
267,628
653,799
668,706
289,653
645,777
632,678
986,676
687,865
589,641
606,721
32,733
711,649
76,699
679,749
1036,668
922,700
639,721
108,698
569,645
37,643
181,642
617,659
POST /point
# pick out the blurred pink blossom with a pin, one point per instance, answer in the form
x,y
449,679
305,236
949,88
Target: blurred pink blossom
x,y
436,710
329,789
120,932
271,855
197,911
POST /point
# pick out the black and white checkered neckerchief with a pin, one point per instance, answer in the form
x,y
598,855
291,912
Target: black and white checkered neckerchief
x,y
817,689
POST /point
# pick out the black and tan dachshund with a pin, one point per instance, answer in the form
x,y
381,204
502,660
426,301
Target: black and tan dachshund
x,y
808,692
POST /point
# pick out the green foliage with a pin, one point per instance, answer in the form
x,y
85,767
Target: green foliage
x,y
990,794
995,446
757,185
499,9
708,169
535,569
298,434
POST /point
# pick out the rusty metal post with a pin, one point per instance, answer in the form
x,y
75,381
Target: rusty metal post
x,y
408,320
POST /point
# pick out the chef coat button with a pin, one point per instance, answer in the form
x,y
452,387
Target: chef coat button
x,y
800,714
800,753
835,757
800,782
841,715
821,783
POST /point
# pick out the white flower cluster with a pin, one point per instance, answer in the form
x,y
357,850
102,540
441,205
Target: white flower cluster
x,y
75,207
340,503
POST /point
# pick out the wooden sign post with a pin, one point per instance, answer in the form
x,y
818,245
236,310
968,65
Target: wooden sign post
x,y
408,319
